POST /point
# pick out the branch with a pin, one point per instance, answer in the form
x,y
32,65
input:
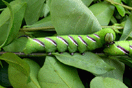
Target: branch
x,y
113,27
27,55
38,28
46,54
115,3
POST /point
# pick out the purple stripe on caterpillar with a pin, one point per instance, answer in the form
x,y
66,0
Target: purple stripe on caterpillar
x,y
130,46
39,42
52,41
80,38
97,36
93,40
71,38
63,40
122,49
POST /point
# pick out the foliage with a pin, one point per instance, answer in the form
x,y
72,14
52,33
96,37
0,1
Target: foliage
x,y
40,18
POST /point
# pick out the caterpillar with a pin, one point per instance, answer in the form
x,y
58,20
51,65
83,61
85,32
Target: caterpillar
x,y
71,43
119,48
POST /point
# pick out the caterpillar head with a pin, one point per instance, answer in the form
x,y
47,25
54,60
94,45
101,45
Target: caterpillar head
x,y
109,38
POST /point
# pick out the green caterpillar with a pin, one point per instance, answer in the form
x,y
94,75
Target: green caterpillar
x,y
119,48
71,43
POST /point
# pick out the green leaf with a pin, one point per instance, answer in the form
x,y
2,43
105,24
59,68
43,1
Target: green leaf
x,y
16,62
87,2
118,1
34,69
1,64
121,10
3,25
18,70
72,17
127,29
1,86
89,62
45,22
103,13
54,74
126,60
125,1
45,10
10,23
100,82
19,80
113,20
33,11
130,35
4,80
17,45
118,72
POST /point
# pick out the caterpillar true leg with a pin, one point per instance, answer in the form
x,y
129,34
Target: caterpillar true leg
x,y
49,53
82,53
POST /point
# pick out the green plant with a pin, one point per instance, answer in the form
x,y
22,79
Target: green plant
x,y
42,18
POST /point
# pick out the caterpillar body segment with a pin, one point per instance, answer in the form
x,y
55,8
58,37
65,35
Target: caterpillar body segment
x,y
71,43
119,48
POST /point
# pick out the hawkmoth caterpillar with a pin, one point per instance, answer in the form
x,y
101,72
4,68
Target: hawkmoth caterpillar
x,y
71,43
119,48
